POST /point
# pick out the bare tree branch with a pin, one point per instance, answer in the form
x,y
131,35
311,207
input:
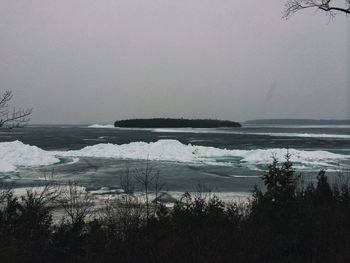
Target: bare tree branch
x,y
15,118
331,7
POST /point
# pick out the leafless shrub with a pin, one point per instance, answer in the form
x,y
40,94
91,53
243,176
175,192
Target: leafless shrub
x,y
124,214
76,202
203,191
127,182
149,180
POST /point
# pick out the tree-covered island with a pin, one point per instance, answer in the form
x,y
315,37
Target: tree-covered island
x,y
175,123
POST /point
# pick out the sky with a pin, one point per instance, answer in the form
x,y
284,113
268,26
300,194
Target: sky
x,y
97,61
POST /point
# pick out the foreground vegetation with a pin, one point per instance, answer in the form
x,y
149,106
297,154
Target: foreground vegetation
x,y
287,222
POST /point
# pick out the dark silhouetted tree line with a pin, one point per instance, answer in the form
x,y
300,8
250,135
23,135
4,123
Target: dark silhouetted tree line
x,y
174,123
286,222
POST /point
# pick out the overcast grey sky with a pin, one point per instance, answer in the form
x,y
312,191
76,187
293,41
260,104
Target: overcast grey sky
x,y
95,61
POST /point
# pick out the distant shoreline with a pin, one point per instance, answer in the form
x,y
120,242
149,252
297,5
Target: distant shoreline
x,y
175,123
299,122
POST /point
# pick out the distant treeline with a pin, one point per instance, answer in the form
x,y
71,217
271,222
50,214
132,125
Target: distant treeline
x,y
287,222
175,123
299,122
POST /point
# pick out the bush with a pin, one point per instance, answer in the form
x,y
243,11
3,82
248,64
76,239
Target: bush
x,y
284,223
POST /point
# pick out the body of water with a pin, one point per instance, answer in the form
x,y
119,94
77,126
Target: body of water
x,y
226,159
